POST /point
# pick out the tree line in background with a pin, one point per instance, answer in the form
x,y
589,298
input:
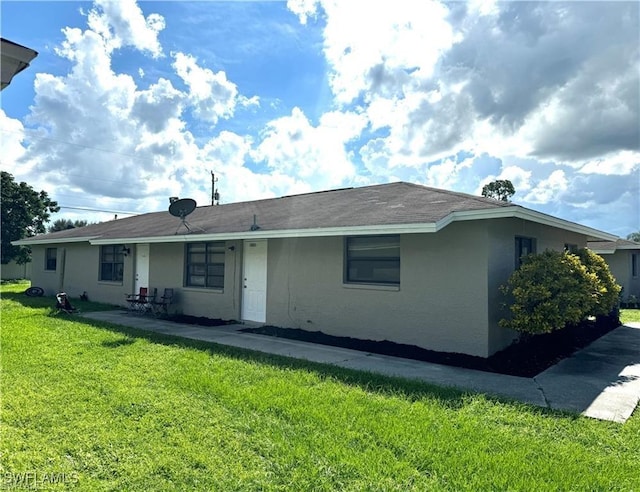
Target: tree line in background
x,y
64,224
634,236
25,212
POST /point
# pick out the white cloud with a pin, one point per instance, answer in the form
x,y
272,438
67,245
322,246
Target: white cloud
x,y
394,49
291,145
212,94
520,178
303,9
620,163
443,175
548,189
155,107
11,138
121,23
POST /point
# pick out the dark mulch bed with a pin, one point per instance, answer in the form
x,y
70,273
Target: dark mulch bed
x,y
199,320
527,357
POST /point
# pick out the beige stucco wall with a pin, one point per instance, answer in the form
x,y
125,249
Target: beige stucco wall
x,y
48,280
81,263
12,271
440,304
166,270
78,267
448,300
620,266
502,233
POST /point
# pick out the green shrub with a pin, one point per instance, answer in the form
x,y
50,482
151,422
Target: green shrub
x,y
549,291
606,296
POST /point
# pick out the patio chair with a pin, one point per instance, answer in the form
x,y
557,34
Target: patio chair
x,y
141,302
63,304
161,306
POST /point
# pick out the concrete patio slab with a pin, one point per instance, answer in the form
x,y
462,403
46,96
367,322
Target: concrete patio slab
x,y
601,381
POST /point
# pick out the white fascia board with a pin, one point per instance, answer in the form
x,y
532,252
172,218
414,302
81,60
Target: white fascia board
x,y
628,246
37,242
602,251
551,221
526,214
289,233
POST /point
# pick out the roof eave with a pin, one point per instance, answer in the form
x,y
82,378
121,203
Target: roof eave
x,y
628,246
36,242
276,234
531,215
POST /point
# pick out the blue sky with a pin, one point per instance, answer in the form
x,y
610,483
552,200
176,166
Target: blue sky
x,y
129,103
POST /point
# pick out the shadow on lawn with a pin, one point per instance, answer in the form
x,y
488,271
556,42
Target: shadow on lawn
x,y
50,302
451,398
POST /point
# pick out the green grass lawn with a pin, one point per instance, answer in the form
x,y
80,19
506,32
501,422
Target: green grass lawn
x,y
94,406
628,315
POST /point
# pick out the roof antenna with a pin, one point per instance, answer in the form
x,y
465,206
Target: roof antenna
x,y
215,196
181,208
254,226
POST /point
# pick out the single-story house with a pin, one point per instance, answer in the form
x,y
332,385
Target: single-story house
x,y
623,258
12,271
399,262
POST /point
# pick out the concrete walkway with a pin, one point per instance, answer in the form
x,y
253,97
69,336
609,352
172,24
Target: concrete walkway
x,y
601,381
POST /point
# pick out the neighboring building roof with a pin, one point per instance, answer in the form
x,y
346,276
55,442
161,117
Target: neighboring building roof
x,y
610,247
380,209
15,58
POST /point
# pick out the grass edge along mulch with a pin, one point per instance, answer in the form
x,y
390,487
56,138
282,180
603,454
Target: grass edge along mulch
x,y
526,358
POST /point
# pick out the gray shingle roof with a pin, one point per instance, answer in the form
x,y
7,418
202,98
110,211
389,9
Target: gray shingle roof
x,y
378,205
612,246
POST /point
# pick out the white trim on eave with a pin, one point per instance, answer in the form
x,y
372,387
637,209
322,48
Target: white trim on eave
x,y
610,251
286,233
36,242
628,246
518,212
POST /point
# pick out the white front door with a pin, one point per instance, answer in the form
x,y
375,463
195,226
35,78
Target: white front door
x,y
142,266
254,285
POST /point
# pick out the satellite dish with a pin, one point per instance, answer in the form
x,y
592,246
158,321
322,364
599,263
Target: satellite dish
x,y
181,208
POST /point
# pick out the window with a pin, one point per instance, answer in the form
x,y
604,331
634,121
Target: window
x,y
571,248
111,263
524,246
205,265
635,266
373,260
50,259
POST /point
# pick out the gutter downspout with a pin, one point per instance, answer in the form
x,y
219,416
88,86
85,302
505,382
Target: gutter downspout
x,y
63,262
